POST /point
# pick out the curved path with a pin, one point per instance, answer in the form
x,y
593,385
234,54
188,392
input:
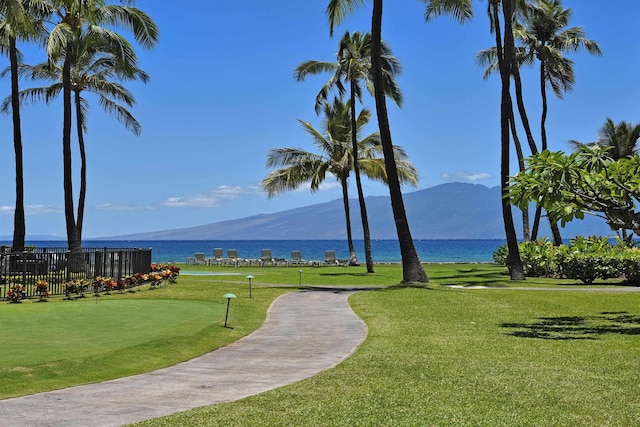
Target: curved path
x,y
305,333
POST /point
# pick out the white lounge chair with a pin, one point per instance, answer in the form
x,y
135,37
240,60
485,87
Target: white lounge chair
x,y
217,257
266,258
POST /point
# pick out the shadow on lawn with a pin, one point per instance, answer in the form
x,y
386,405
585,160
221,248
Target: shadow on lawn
x,y
472,277
577,327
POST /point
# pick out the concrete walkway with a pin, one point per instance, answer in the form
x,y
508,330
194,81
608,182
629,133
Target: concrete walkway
x,y
305,333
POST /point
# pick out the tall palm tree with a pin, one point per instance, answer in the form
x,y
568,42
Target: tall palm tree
x,y
78,18
545,35
337,10
93,71
353,65
19,19
489,59
299,167
505,54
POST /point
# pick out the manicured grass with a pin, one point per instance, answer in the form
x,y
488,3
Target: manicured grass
x,y
434,355
442,356
61,343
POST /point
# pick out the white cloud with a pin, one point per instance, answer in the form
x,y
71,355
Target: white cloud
x,y
121,207
212,198
465,176
31,210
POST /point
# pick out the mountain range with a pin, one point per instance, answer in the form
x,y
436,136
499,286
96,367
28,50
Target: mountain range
x,y
446,211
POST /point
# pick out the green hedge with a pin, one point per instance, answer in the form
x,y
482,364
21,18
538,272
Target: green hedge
x,y
585,258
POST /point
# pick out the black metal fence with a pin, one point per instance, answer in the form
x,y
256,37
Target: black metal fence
x,y
58,266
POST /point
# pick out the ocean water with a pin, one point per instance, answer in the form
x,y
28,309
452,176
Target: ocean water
x,y
176,251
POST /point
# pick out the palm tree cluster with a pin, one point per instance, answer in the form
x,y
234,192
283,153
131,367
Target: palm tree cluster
x,y
84,54
525,31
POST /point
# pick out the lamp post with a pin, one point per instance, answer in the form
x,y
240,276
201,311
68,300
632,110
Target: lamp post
x,y
249,277
228,297
300,281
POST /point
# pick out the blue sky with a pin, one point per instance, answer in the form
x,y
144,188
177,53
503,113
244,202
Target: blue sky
x,y
222,94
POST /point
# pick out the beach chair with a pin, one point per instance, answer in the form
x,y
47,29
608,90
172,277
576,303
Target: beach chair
x,y
330,258
296,258
232,257
217,257
199,258
266,258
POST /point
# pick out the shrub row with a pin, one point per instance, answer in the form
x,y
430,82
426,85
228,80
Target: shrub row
x,y
585,258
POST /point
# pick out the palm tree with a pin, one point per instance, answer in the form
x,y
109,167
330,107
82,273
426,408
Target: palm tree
x,y
92,71
489,59
299,167
353,66
505,54
337,10
545,35
19,19
621,140
78,18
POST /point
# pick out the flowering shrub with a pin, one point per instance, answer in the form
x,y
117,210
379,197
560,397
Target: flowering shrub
x,y
17,293
76,286
586,259
166,271
42,289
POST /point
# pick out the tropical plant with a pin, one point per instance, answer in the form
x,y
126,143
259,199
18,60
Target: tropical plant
x,y
588,181
621,140
78,19
353,65
96,65
543,32
300,167
19,20
337,10
42,289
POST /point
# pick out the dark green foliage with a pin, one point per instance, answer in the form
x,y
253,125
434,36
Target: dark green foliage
x,y
586,259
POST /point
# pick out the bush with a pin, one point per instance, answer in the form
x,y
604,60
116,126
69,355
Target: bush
x,y
586,259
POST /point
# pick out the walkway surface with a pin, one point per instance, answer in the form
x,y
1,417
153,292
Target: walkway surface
x,y
305,333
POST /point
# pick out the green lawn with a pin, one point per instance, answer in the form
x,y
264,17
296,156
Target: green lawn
x,y
434,355
441,356
61,343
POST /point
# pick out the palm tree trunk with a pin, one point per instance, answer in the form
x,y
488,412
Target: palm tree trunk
x,y
514,263
353,260
356,171
543,118
555,230
526,236
72,235
412,269
83,166
536,223
19,228
524,118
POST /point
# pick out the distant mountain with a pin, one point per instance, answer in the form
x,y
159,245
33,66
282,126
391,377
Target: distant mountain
x,y
447,211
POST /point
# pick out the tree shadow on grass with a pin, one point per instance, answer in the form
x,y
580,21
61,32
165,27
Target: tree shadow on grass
x,y
473,277
577,327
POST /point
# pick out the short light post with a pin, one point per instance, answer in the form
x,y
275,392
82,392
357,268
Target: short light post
x,y
228,297
300,280
249,277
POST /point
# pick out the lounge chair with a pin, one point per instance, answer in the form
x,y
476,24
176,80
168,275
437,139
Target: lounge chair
x,y
296,258
266,258
232,257
199,258
330,258
217,257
